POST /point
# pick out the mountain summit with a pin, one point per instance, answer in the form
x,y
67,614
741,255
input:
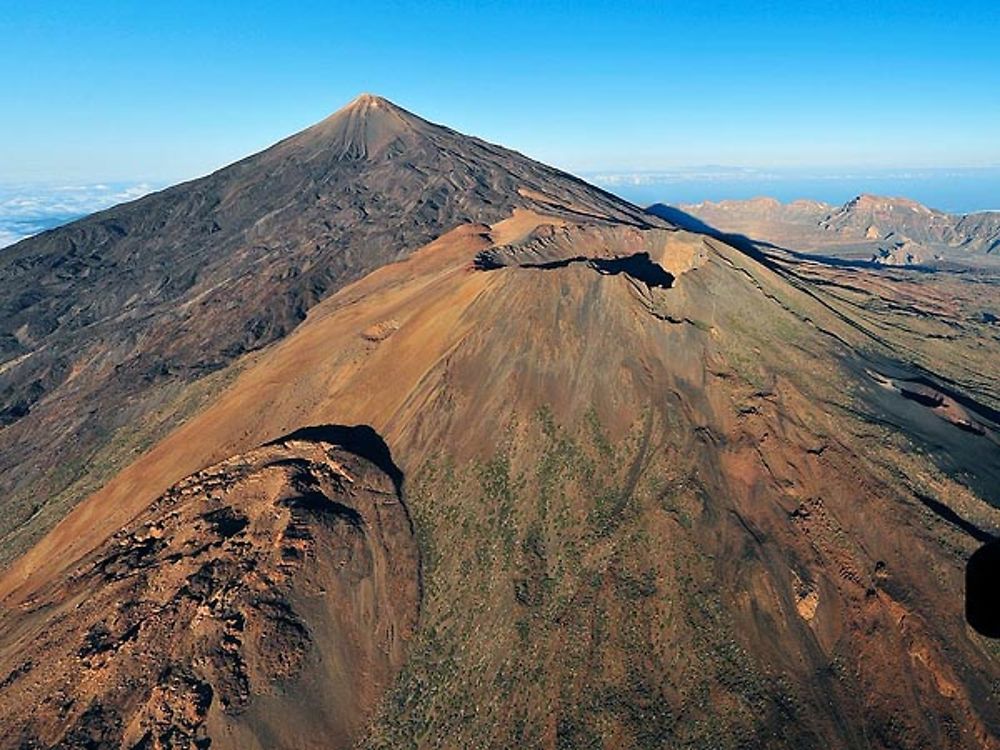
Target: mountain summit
x,y
366,126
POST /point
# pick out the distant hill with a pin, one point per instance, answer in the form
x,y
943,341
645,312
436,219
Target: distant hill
x,y
894,231
131,305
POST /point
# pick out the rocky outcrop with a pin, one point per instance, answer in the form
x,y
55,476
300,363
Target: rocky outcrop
x,y
266,600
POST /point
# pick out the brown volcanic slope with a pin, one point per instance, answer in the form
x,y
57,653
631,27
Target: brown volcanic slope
x,y
144,305
666,493
891,231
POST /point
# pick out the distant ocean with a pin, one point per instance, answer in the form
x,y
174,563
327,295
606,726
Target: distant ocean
x,y
953,190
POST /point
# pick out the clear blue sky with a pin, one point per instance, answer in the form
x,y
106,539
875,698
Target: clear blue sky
x,y
166,90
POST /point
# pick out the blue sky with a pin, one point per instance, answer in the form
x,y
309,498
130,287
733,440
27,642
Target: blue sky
x,y
159,91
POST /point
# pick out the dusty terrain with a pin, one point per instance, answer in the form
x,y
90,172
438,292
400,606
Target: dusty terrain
x,y
665,491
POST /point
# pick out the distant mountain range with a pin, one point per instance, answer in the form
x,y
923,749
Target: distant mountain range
x,y
891,231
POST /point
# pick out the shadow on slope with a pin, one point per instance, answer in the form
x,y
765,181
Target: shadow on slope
x,y
638,266
361,440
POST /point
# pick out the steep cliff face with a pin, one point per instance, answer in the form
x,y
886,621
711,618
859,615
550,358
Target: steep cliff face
x,y
264,601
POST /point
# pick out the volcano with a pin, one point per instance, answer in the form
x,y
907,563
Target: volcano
x,y
131,305
389,437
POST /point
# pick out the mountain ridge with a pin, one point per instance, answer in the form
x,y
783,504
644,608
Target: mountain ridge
x,y
135,304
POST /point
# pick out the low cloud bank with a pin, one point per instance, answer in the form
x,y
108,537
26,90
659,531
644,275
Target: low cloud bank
x,y
27,209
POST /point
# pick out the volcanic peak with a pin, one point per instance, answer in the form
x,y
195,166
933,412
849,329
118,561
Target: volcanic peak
x,y
366,127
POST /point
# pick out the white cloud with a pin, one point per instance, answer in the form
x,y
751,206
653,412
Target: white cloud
x,y
26,209
8,237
